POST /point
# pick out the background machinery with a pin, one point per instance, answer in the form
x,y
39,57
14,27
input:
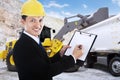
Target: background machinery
x,y
52,46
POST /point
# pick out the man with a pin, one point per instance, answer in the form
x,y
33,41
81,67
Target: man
x,y
30,58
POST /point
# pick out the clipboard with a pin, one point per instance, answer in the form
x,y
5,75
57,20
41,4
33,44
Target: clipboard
x,y
85,39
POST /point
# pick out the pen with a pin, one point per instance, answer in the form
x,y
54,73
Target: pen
x,y
80,46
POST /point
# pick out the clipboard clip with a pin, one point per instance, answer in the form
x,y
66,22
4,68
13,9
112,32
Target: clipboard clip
x,y
89,34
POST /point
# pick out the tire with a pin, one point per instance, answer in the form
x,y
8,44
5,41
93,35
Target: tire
x,y
114,66
76,67
91,60
73,69
10,62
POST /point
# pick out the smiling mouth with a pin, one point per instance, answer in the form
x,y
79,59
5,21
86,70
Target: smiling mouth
x,y
36,30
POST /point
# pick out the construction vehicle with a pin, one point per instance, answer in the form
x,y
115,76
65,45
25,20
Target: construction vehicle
x,y
106,49
6,55
107,45
52,46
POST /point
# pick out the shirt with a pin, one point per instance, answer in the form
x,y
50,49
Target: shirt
x,y
33,37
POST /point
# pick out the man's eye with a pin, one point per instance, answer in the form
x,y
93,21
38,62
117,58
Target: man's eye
x,y
32,20
40,20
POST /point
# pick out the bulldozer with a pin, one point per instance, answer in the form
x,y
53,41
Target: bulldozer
x,y
54,45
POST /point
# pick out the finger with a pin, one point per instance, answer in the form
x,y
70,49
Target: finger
x,y
67,46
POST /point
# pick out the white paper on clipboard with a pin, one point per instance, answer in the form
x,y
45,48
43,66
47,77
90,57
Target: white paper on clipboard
x,y
86,39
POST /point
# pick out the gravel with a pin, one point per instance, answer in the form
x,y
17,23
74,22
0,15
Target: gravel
x,y
81,74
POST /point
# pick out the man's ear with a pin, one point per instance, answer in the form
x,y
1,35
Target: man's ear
x,y
23,21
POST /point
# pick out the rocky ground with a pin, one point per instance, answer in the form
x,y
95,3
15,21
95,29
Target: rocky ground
x,y
81,74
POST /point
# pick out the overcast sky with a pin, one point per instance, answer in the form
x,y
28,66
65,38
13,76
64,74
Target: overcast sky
x,y
65,8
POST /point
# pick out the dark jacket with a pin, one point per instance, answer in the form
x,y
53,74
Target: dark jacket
x,y
33,64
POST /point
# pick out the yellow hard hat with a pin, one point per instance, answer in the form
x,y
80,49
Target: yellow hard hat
x,y
32,8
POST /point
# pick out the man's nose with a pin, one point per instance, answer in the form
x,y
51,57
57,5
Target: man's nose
x,y
38,24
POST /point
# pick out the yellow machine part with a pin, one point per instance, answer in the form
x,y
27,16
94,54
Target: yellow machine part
x,y
52,46
9,46
11,60
3,54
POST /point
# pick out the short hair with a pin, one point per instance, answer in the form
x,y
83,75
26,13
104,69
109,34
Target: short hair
x,y
24,17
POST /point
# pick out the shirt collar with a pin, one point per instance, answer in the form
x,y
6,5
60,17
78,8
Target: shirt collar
x,y
33,37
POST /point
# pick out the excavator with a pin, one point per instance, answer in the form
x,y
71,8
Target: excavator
x,y
52,46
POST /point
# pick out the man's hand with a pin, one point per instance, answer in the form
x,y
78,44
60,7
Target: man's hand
x,y
62,51
78,51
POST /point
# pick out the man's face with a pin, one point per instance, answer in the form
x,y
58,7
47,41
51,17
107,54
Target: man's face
x,y
33,25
